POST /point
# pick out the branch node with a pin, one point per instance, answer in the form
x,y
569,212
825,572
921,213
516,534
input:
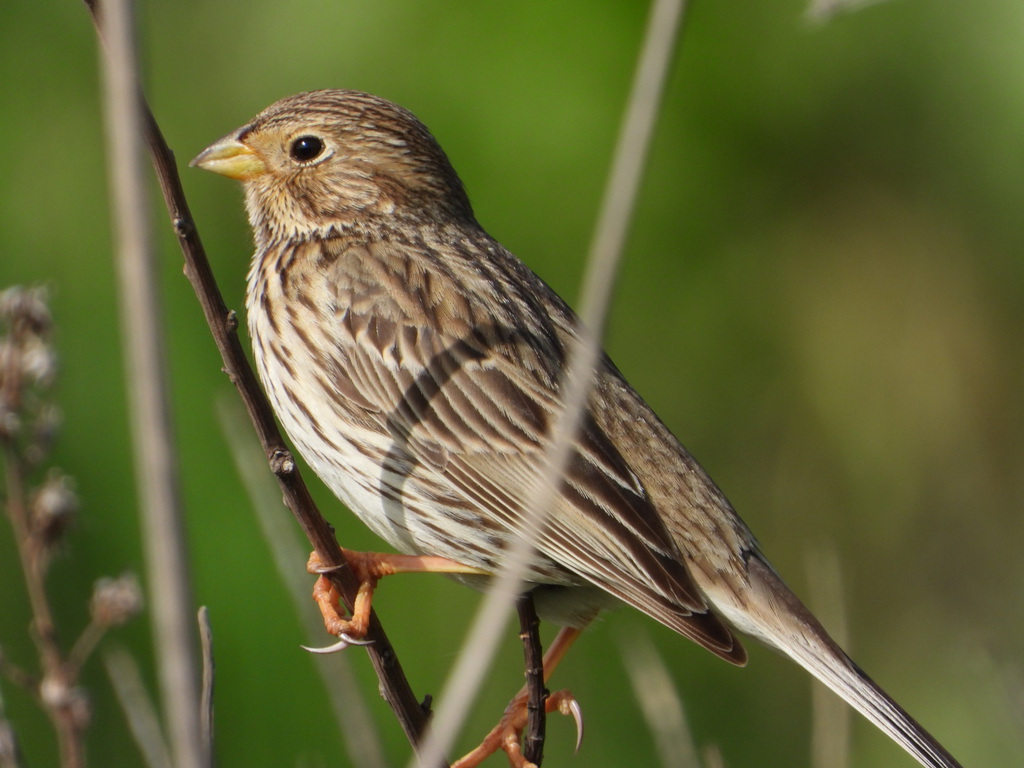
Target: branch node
x,y
282,463
183,227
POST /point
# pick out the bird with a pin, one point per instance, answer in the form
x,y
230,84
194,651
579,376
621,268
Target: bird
x,y
416,365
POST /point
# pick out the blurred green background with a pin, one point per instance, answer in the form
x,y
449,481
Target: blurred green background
x,y
823,296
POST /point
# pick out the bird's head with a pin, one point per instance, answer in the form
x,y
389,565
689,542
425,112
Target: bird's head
x,y
321,161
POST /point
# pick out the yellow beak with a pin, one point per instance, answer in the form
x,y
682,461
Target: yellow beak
x,y
230,157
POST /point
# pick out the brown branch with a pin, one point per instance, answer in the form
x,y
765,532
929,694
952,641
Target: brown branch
x,y
223,325
529,633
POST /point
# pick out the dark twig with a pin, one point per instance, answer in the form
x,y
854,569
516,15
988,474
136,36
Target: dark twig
x,y
529,633
223,324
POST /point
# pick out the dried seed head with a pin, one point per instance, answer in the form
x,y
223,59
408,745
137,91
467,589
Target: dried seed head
x,y
116,601
55,693
53,508
10,424
25,310
38,362
28,363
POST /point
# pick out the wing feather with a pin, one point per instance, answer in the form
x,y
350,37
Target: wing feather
x,y
475,403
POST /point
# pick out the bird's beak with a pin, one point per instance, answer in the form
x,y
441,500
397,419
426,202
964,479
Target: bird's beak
x,y
230,157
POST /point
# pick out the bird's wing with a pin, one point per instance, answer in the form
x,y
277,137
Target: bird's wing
x,y
477,407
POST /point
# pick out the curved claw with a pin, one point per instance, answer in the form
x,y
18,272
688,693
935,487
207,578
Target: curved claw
x,y
344,642
322,569
333,648
577,714
355,641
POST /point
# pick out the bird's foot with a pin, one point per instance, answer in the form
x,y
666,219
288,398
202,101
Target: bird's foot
x,y
369,568
507,734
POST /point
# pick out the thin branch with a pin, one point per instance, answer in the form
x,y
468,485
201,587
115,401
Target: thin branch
x,y
44,631
20,677
660,39
156,470
223,325
529,633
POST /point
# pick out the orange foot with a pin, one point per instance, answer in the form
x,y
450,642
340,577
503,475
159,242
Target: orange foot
x,y
507,734
369,568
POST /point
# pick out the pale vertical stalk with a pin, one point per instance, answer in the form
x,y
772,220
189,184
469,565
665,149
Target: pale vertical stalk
x,y
712,757
155,467
663,27
143,720
830,727
206,730
659,701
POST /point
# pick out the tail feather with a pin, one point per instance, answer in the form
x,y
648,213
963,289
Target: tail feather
x,y
785,623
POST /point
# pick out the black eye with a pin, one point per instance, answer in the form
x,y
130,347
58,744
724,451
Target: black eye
x,y
306,148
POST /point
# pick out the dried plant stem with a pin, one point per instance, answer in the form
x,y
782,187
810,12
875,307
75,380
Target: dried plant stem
x,y
830,727
10,749
143,720
659,701
155,466
44,632
56,689
85,645
206,730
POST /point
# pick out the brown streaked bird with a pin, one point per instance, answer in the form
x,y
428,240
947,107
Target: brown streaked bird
x,y
414,362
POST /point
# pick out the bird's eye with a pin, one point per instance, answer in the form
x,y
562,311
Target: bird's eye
x,y
306,148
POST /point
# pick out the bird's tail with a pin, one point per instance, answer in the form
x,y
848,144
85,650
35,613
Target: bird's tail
x,y
785,623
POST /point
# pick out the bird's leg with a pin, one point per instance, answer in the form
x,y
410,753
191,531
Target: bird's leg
x,y
507,733
369,568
